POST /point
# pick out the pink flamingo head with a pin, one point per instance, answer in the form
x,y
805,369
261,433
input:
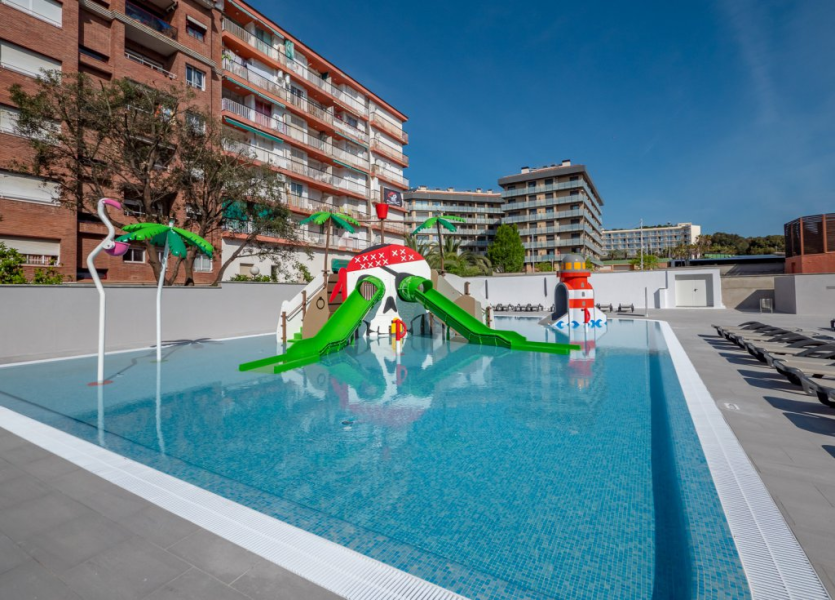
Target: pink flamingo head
x,y
111,202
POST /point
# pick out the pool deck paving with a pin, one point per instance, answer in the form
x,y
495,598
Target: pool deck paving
x,y
68,534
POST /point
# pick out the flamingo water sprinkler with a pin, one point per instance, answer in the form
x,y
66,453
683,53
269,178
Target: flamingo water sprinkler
x,y
113,248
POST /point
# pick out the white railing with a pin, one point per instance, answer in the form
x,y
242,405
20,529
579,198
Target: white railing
x,y
253,115
296,67
391,176
353,159
291,312
150,65
387,150
384,123
274,88
350,130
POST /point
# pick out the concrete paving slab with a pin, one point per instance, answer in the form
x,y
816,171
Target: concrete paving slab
x,y
158,525
30,517
11,555
129,570
21,488
267,581
31,581
218,557
66,546
195,585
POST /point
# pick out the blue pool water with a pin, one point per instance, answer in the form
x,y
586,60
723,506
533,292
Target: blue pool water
x,y
492,473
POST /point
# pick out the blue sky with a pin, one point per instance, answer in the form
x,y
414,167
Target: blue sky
x,y
720,112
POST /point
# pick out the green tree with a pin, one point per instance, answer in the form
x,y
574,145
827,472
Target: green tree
x,y
463,263
11,269
48,276
418,245
728,243
506,252
96,139
650,262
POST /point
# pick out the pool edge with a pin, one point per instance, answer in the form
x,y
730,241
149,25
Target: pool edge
x,y
327,564
773,560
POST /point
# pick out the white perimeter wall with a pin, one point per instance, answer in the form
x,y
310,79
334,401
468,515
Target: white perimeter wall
x,y
609,288
46,321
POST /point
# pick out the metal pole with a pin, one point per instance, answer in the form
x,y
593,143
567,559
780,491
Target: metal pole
x,y
163,270
105,244
642,244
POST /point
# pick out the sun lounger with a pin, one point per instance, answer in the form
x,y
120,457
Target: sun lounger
x,y
758,349
813,353
625,307
768,335
824,389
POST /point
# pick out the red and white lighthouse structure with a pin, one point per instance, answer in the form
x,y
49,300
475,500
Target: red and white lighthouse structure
x,y
574,297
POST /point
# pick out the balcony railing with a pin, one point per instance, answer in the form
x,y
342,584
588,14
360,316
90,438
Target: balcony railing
x,y
143,61
381,122
245,36
293,66
265,121
350,130
464,208
387,150
390,176
303,104
149,20
565,185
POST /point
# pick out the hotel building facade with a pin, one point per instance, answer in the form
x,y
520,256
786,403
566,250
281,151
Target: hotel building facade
x,y
558,211
482,210
658,240
338,146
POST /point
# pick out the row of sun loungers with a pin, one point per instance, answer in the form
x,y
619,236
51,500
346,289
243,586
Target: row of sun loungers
x,y
805,360
520,308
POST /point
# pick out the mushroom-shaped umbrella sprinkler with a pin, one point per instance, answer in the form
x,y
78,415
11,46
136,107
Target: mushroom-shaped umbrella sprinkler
x,y
174,241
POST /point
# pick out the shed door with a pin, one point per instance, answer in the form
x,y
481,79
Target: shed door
x,y
692,290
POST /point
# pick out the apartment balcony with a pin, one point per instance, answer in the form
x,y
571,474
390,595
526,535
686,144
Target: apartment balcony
x,y
265,121
547,230
453,208
316,177
303,237
295,68
554,187
302,105
390,177
308,206
384,124
150,20
350,131
150,64
542,258
390,153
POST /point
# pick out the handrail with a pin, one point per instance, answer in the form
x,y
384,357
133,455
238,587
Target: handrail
x,y
138,59
305,296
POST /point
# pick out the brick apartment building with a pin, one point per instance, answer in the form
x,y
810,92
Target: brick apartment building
x,y
338,145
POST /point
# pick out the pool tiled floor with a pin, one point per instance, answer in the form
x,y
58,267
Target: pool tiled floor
x,y
65,533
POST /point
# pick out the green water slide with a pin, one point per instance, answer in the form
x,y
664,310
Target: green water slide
x,y
418,289
335,334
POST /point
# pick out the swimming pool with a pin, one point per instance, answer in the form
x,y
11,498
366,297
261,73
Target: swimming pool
x,y
494,474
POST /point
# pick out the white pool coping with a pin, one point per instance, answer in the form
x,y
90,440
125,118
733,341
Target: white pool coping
x,y
775,564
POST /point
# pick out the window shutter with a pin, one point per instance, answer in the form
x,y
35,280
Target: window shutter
x,y
33,189
25,61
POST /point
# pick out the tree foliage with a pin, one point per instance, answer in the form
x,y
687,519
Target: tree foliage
x,y
650,262
156,149
11,265
506,252
463,263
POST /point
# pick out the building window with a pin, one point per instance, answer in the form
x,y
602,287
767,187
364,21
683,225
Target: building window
x,y
195,29
133,207
196,123
296,189
135,254
45,10
195,77
531,184
203,263
29,189
549,182
25,61
35,251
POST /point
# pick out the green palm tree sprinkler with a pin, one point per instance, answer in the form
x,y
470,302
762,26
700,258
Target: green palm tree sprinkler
x,y
443,220
173,240
329,219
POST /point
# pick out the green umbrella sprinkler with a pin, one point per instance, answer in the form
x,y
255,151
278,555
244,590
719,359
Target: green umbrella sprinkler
x,y
437,222
174,241
329,219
